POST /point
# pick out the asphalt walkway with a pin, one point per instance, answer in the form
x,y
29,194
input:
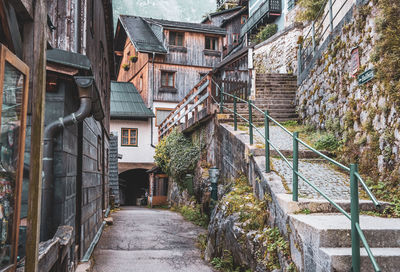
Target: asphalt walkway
x,y
148,240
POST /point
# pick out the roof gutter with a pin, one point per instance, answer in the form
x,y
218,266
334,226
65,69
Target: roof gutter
x,y
85,96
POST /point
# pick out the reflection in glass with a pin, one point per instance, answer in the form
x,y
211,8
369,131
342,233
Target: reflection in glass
x,y
9,135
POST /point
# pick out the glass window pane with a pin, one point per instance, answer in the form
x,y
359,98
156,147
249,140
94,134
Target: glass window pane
x,y
172,38
171,80
180,39
125,140
208,43
163,79
125,133
10,129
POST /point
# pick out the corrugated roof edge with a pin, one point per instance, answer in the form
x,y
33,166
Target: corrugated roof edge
x,y
68,58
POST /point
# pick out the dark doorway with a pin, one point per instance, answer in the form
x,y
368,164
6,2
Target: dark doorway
x,y
136,185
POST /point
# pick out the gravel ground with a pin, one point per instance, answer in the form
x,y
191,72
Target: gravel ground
x,y
278,137
332,182
149,240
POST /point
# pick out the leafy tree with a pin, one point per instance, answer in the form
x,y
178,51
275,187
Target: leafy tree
x,y
177,156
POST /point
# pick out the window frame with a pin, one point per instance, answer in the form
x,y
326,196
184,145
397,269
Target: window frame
x,y
233,38
177,33
161,109
243,19
129,137
173,78
7,56
214,39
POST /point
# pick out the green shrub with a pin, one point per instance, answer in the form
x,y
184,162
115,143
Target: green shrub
x,y
194,215
327,142
265,33
177,156
309,9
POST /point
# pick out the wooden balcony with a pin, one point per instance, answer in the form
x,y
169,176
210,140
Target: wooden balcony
x,y
267,13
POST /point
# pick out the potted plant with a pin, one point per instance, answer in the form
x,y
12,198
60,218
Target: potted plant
x,y
125,66
133,59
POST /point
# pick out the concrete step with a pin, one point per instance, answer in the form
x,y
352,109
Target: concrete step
x,y
334,230
339,259
276,96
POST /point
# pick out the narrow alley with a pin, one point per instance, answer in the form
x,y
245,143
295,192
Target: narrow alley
x,y
144,239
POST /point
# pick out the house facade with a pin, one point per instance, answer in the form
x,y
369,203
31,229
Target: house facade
x,y
131,124
163,60
76,126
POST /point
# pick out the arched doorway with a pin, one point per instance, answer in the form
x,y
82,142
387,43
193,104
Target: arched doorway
x,y
133,186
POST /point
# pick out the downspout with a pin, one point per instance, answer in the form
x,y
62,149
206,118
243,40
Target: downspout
x,y
50,132
152,99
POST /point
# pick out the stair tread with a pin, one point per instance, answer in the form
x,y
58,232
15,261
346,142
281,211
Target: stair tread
x,y
377,251
339,221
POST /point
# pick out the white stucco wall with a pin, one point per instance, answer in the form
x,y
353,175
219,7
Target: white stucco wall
x,y
143,153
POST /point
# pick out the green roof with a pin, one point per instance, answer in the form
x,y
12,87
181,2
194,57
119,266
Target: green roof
x,y
67,58
126,102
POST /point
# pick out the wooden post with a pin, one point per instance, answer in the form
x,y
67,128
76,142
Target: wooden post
x,y
38,90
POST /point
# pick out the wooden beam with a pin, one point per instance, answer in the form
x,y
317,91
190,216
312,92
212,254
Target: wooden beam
x,y
24,8
38,69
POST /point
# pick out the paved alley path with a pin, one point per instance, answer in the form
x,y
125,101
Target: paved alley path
x,y
148,240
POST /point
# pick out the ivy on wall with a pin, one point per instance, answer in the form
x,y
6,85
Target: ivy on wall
x,y
309,9
265,33
387,51
177,156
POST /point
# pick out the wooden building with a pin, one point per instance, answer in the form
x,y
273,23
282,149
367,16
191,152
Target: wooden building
x,y
164,60
78,71
232,21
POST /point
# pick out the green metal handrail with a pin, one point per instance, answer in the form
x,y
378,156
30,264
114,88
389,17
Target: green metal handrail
x,y
356,232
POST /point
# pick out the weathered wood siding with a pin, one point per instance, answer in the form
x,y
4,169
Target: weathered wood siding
x,y
186,78
233,27
136,70
194,43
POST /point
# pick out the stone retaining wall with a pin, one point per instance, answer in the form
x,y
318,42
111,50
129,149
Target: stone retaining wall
x,y
363,117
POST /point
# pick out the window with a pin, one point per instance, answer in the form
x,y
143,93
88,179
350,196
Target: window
x,y
161,114
14,84
211,43
176,38
141,83
129,137
168,79
235,38
243,19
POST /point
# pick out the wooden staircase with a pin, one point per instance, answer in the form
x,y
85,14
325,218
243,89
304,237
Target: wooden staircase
x,y
275,93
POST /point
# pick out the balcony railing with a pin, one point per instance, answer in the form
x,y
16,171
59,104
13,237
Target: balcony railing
x,y
270,8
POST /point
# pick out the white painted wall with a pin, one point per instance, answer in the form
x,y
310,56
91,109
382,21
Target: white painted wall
x,y
143,153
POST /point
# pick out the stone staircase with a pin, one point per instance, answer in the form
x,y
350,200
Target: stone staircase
x,y
319,236
275,93
329,241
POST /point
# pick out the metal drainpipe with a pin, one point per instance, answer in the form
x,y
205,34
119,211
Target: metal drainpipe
x,y
152,100
85,97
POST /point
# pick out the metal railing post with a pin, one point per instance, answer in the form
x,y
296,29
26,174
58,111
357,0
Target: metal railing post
x,y
295,166
355,238
313,35
299,64
234,114
221,101
331,15
250,122
267,158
